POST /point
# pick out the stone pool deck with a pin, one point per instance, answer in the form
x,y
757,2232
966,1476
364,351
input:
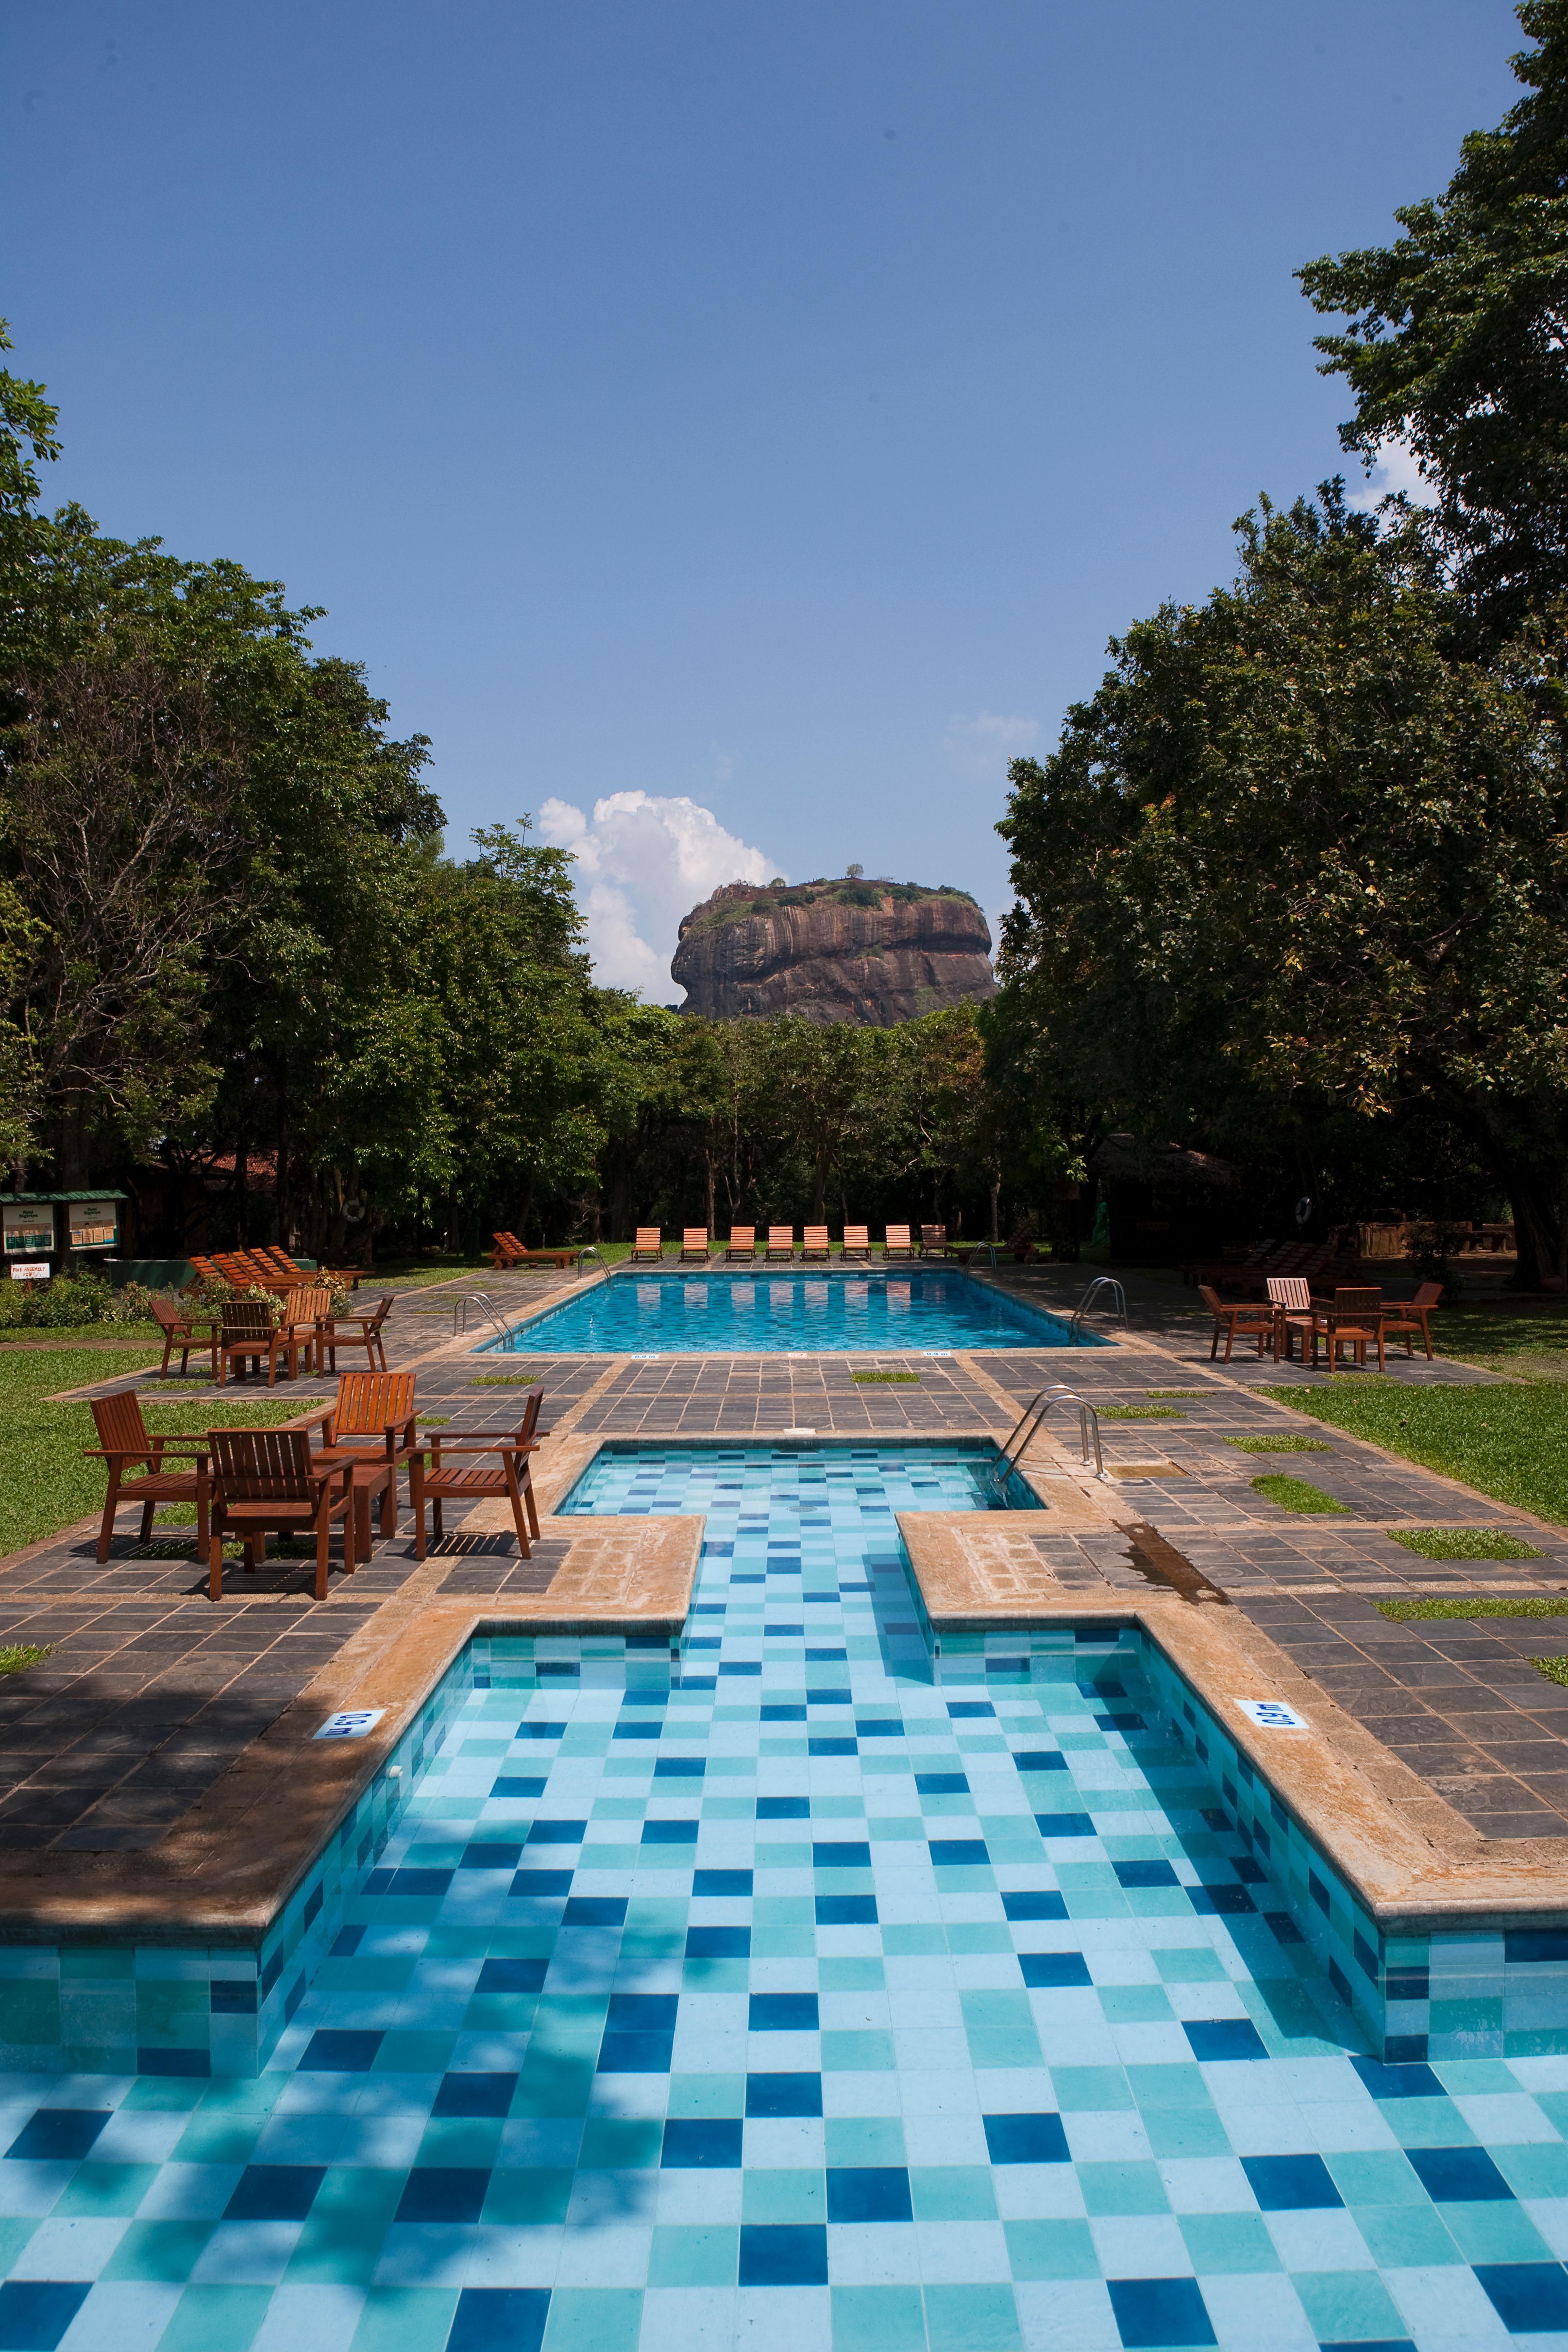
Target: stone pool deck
x,y
158,1769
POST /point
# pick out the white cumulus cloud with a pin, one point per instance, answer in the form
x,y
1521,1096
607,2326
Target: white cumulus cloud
x,y
1396,469
643,861
992,731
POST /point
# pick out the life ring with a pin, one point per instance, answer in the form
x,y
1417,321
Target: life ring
x,y
1304,1208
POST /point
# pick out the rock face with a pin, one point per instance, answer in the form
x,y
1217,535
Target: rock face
x,y
873,952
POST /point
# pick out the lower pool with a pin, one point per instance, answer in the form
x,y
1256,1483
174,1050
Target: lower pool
x,y
743,1314
804,2005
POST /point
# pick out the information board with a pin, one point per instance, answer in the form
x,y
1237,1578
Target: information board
x,y
29,1229
95,1225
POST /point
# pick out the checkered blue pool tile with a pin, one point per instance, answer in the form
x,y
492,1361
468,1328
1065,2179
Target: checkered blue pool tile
x,y
944,2038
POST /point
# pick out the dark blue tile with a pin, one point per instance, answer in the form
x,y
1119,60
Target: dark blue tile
x,y
1397,2082
35,2312
942,1784
489,1854
523,1975
1040,1760
1168,2311
1283,1927
185,2064
750,1668
1033,1903
669,1832
1530,2298
825,1746
706,2144
783,2013
1368,2344
339,2050
58,2135
542,1885
827,1698
594,1911
1120,1722
846,1910
636,2053
444,2192
637,1732
1458,2175
557,1832
642,2012
679,1767
514,1784
1062,1825
419,1882
1408,1984
1143,1874
1043,1971
961,1709
233,1996
275,2192
783,1808
719,1943
831,1657
1225,2037
1291,2184
1529,1945
958,1854
879,1728
840,1854
474,2094
869,2193
1222,1902
721,1881
1026,2139
783,2094
541,1731
785,2254
781,1713
347,1942
1405,2049
499,2319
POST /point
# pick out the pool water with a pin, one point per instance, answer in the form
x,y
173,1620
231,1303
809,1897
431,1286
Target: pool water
x,y
804,2007
731,1315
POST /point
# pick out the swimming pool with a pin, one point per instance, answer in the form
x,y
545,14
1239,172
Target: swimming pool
x,y
734,1315
800,2005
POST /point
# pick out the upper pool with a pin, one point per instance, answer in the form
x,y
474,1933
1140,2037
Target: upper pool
x,y
734,1315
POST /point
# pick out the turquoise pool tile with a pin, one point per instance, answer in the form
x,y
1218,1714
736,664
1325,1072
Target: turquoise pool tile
x,y
1229,2242
694,2256
1126,2188
404,2319
1051,2250
215,2319
1405,2237
878,2319
1349,2306
978,2318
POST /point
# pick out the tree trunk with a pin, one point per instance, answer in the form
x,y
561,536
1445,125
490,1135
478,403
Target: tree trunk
x,y
995,1209
1542,1231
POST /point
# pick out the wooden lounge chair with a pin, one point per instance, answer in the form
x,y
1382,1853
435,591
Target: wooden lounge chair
x,y
245,1337
123,1442
506,1252
814,1241
457,1473
896,1242
206,1269
180,1331
856,1243
1355,1320
332,1333
1245,1322
648,1243
742,1241
781,1240
266,1482
933,1241
368,1431
694,1244
1402,1316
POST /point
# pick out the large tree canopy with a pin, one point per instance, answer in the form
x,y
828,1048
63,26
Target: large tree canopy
x,y
1457,340
1295,859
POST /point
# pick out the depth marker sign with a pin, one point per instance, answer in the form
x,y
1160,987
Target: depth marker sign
x,y
1273,1715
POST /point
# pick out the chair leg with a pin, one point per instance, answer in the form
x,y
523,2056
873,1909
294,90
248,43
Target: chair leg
x,y
1213,1344
324,1538
416,1502
204,1516
146,1535
514,1494
533,1508
106,1533
215,1557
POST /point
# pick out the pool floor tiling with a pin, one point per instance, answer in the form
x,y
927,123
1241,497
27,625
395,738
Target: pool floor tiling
x,y
805,2004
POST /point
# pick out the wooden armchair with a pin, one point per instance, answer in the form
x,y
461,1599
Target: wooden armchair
x,y
332,1333
649,1245
1291,1297
457,1472
265,1481
1402,1317
694,1244
245,1337
896,1242
1243,1322
814,1241
742,1241
122,1442
856,1243
180,1331
781,1242
1354,1322
370,1432
303,1311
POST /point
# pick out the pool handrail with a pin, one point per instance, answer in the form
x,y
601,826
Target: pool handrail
x,y
1034,1414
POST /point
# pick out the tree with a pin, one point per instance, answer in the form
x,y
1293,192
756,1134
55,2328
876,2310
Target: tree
x,y
1458,341
1294,857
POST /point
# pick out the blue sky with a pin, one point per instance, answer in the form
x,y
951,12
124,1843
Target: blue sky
x,y
767,411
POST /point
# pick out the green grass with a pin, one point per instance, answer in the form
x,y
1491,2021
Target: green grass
x,y
1463,1543
1297,1494
1139,1413
16,1657
1554,1669
503,1380
1515,1605
45,1482
1179,1392
886,1379
1527,1342
1285,1442
1509,1442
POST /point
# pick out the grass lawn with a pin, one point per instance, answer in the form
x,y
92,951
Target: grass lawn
x,y
1529,1343
1509,1442
45,1482
1299,1494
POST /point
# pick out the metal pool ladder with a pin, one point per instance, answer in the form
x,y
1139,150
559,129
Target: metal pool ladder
x,y
1116,1304
1028,1422
487,1309
590,1249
